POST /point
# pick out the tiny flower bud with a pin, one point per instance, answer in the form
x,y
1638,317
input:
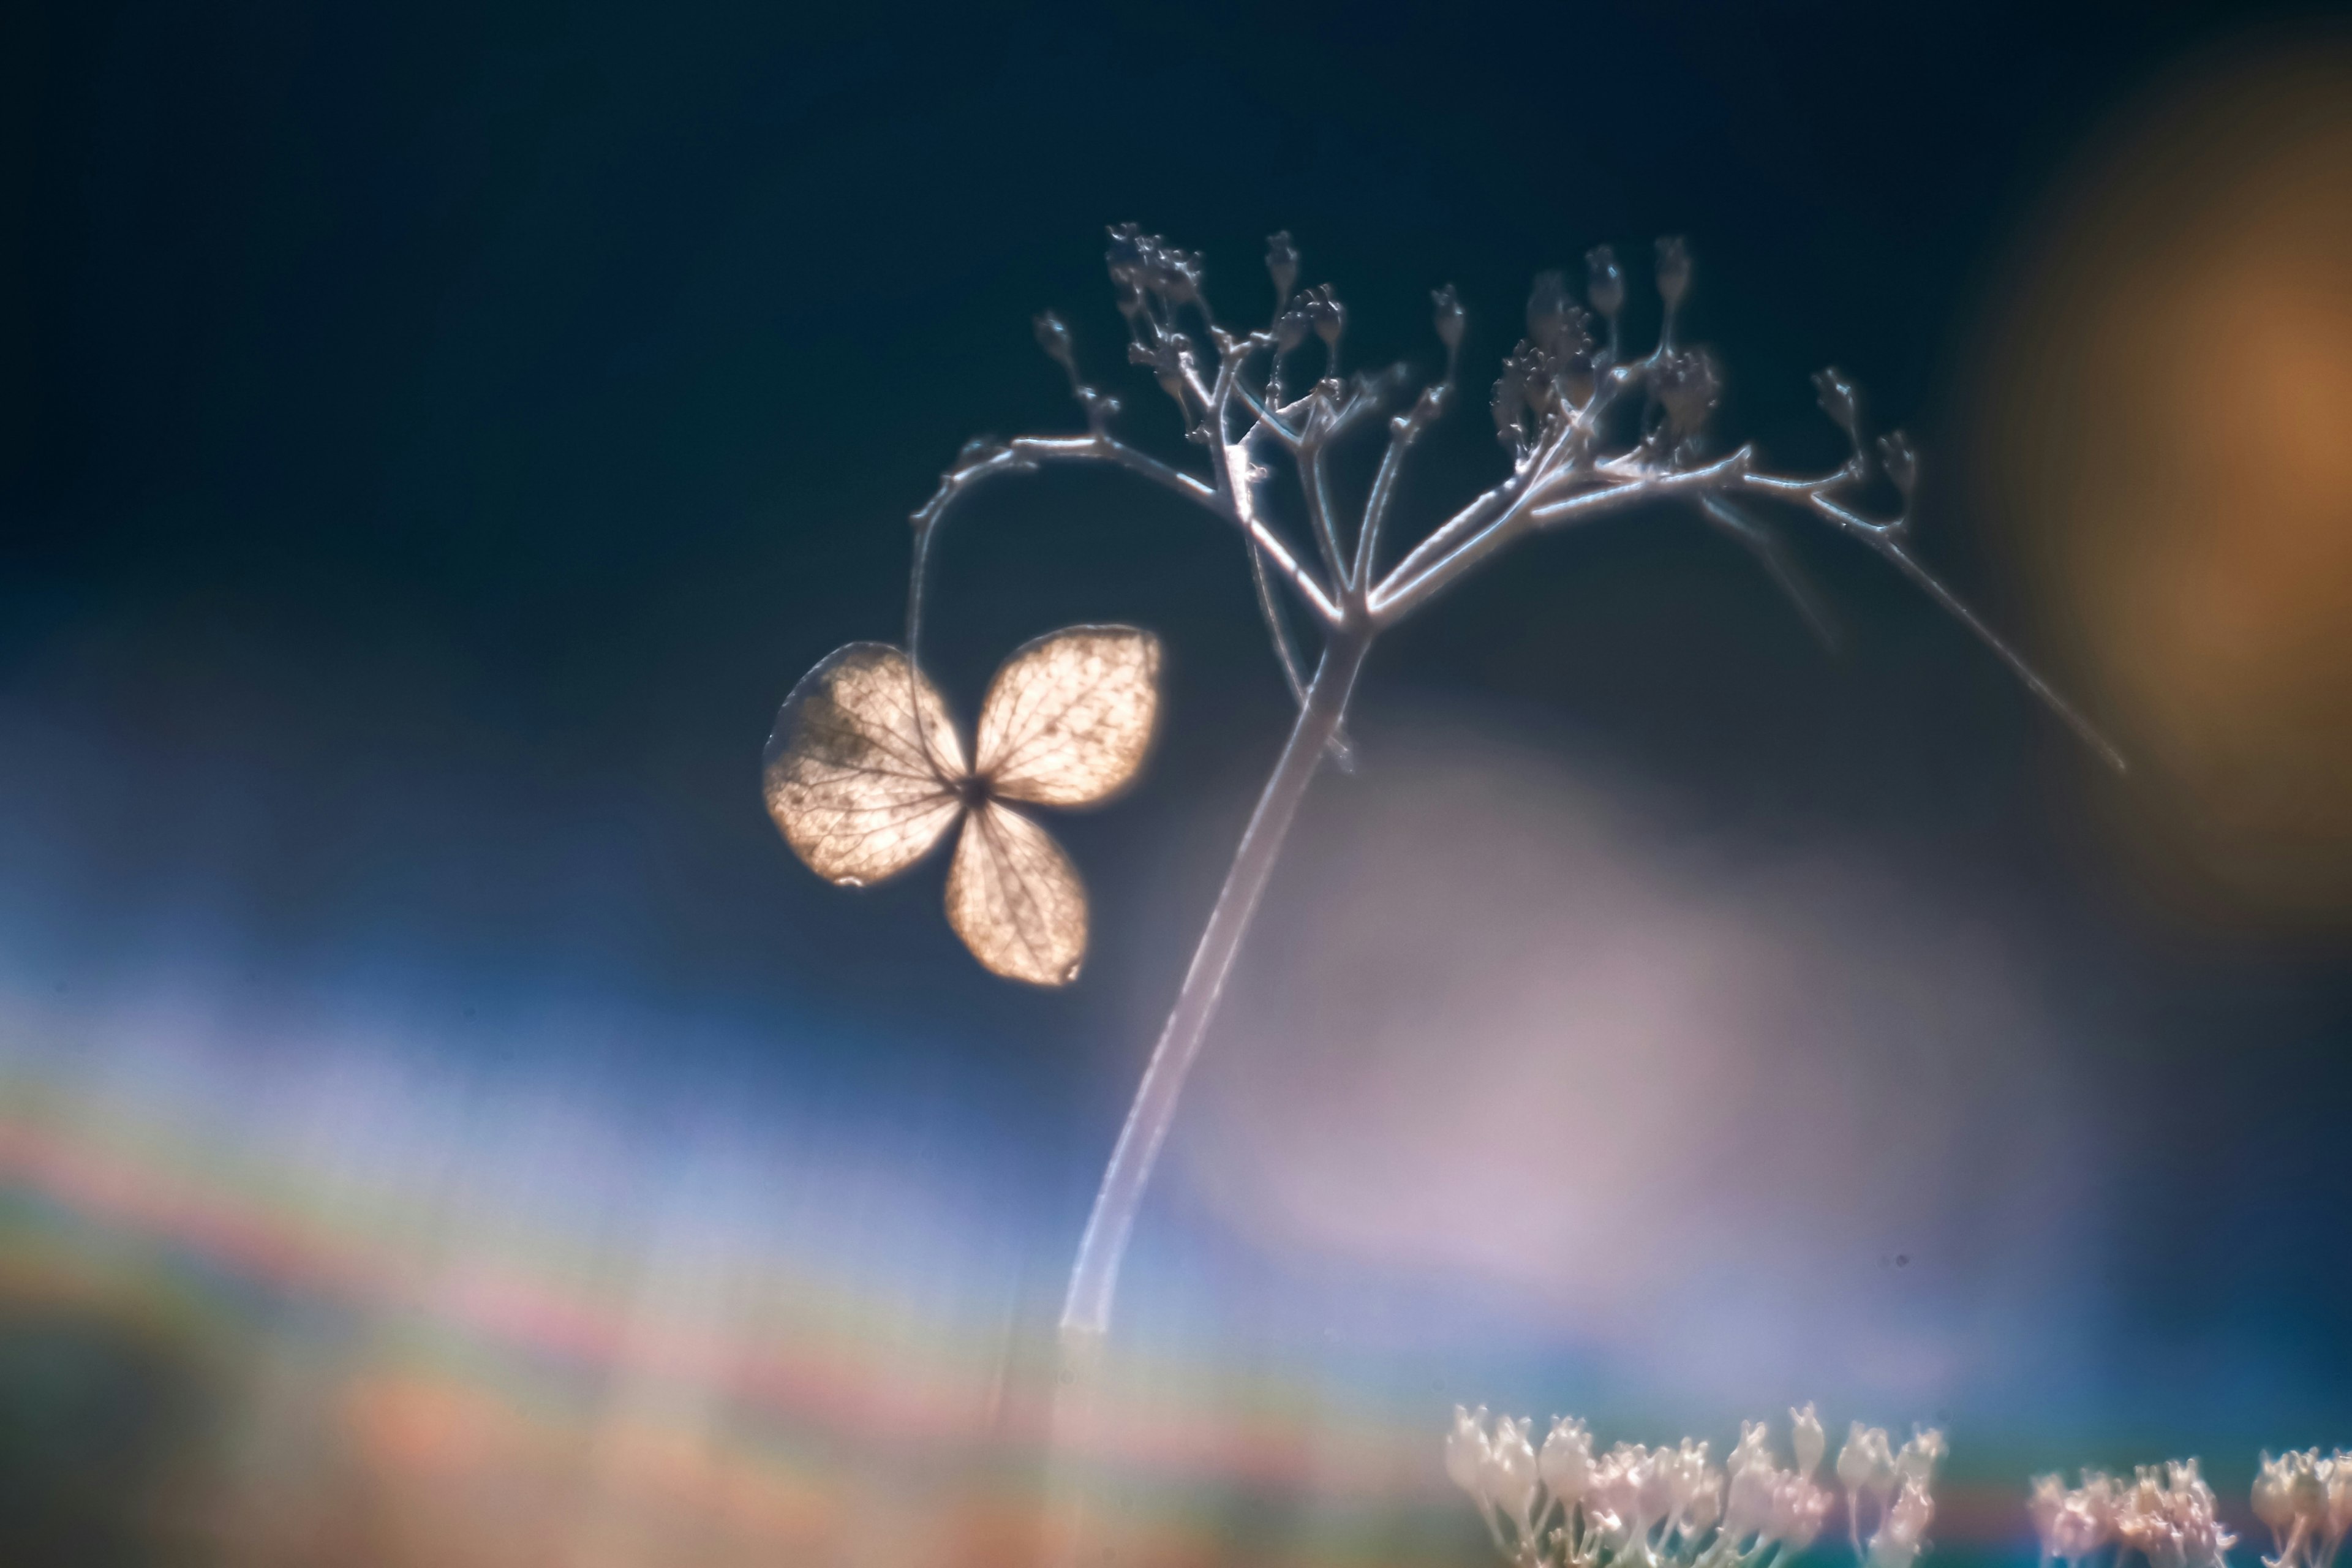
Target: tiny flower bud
x,y
1704,1507
1548,308
1687,386
1450,316
1866,1463
1282,262
1565,1461
1899,1537
1330,322
1840,401
1054,337
1749,1506
1810,1443
1674,270
1465,1449
1799,1506
1509,1475
1604,281
1917,1463
2272,1499
1901,462
2047,1502
1515,396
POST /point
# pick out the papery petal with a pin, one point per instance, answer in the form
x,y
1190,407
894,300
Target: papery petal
x,y
1016,899
1068,718
859,790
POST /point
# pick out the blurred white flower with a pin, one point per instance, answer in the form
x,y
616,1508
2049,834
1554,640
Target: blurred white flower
x,y
1867,1464
2089,1522
1465,1450
1671,1507
2273,1506
2043,1505
1641,1507
2166,1515
1805,1432
1920,1456
1798,1508
1693,1489
2339,1499
2305,1502
1565,1461
1509,1475
1904,1529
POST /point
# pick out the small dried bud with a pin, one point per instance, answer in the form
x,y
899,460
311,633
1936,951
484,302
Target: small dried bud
x,y
1840,401
1866,1463
1145,262
1811,1444
1465,1449
1510,1475
1577,378
1687,386
1565,1461
1901,462
1282,263
1330,316
1511,400
1054,337
1127,243
1917,1463
1548,308
1799,1506
1903,1526
1604,283
1674,269
1450,316
2047,1502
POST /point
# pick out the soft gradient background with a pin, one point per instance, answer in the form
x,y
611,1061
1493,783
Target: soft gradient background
x,y
441,1124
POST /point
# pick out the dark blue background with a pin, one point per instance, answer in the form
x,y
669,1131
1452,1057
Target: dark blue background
x,y
434,438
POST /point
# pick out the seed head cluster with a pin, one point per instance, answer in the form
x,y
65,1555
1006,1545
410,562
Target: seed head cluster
x,y
1559,1505
2167,1514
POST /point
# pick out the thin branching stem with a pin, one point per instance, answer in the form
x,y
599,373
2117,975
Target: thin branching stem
x,y
1094,1281
1563,409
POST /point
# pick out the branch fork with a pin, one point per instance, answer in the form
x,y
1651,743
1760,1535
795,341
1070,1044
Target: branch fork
x,y
1591,432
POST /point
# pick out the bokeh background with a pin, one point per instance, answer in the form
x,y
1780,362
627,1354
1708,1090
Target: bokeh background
x,y
441,1124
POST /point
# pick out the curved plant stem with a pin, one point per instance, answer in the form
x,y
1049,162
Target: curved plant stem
x,y
1093,1280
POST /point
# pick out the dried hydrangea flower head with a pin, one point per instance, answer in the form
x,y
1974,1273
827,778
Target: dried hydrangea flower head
x,y
1590,427
1641,1507
864,774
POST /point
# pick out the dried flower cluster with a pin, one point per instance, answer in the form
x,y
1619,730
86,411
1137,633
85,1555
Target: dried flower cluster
x,y
1559,1506
2166,1513
863,781
2306,1504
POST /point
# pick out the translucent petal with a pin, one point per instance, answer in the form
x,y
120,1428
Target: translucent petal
x,y
1068,720
1015,899
857,791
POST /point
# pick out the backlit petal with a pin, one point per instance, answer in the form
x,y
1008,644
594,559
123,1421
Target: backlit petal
x,y
1069,717
1015,899
858,792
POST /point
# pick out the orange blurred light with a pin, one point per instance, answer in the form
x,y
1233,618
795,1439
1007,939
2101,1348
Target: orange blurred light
x,y
2166,431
